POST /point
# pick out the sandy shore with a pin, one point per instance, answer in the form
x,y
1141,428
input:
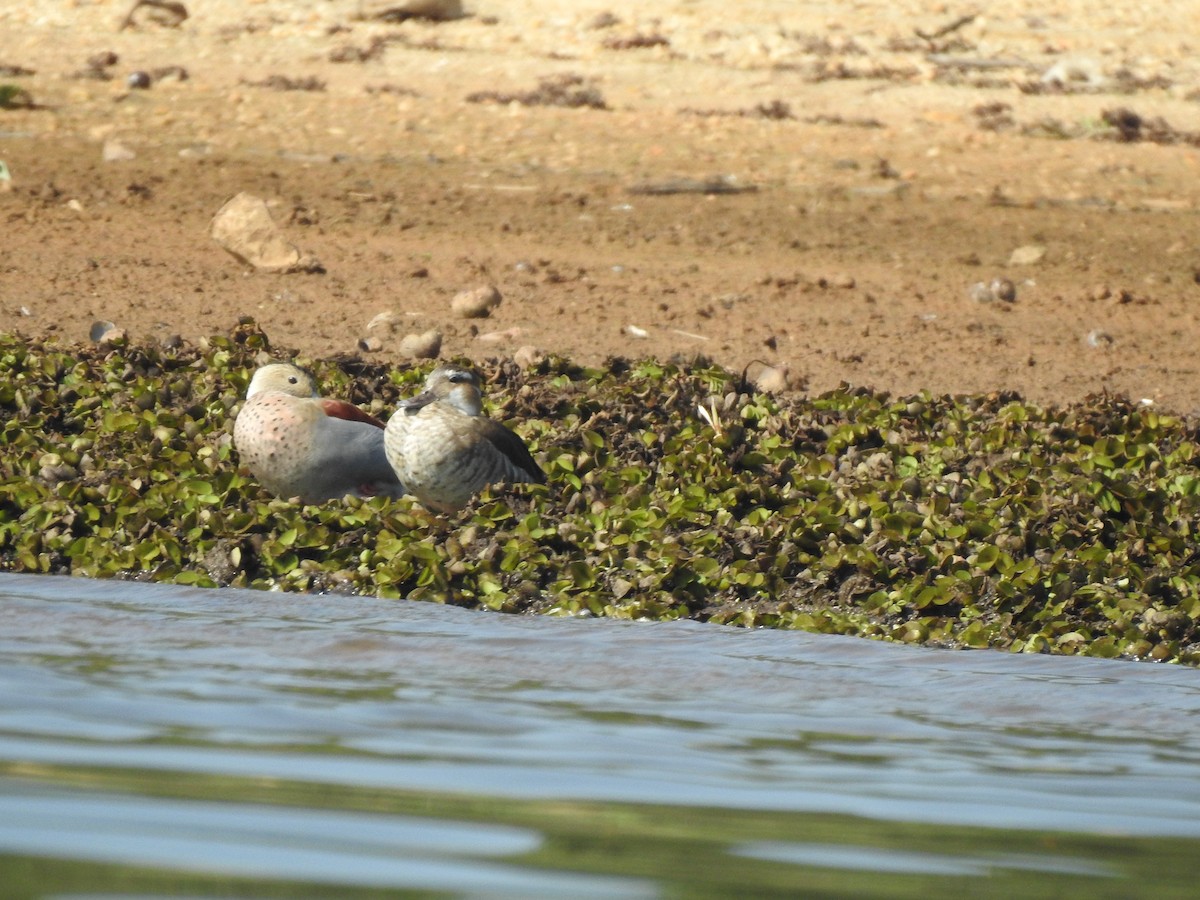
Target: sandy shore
x,y
898,159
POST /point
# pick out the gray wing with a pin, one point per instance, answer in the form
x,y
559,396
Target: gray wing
x,y
352,454
525,467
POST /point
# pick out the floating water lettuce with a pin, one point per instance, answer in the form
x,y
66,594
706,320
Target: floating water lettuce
x,y
977,521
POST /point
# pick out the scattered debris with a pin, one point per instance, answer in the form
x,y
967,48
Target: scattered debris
x,y
995,116
97,66
1131,127
163,13
1099,339
166,73
392,89
838,70
556,90
635,42
635,331
603,20
349,53
851,121
284,83
13,97
476,303
384,321
244,228
1073,73
1085,76
8,70
403,10
773,109
715,184
711,415
931,36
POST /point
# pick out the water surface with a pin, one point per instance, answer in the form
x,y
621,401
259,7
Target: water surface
x,y
170,739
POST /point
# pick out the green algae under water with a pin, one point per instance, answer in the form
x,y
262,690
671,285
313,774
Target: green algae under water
x,y
976,521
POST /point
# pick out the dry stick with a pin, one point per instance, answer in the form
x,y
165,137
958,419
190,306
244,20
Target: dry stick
x,y
958,23
170,6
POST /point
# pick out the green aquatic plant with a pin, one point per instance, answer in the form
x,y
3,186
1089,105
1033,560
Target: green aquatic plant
x,y
977,521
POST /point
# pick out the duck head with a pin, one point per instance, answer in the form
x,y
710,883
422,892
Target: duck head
x,y
284,378
454,386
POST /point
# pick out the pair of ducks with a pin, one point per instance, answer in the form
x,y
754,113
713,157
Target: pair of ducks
x,y
438,446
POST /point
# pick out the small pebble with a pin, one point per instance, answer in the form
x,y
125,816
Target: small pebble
x,y
1003,289
528,356
112,337
138,81
997,289
476,303
980,292
115,151
99,329
1099,339
1027,255
422,346
773,379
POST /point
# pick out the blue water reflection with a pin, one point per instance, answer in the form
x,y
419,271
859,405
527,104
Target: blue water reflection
x,y
395,695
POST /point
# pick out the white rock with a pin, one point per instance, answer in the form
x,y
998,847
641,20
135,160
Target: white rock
x,y
528,355
422,346
115,151
1027,255
244,227
476,303
774,379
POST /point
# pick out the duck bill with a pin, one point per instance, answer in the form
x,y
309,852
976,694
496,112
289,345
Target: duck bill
x,y
423,399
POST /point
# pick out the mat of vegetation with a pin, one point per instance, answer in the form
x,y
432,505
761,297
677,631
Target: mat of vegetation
x,y
977,521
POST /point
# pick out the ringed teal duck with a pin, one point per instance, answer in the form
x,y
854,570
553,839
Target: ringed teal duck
x,y
298,444
445,450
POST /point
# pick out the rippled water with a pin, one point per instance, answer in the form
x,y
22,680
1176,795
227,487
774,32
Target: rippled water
x,y
222,742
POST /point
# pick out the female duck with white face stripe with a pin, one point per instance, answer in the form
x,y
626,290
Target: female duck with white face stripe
x,y
445,450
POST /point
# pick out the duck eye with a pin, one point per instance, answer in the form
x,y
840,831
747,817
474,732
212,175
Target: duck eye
x,y
292,379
